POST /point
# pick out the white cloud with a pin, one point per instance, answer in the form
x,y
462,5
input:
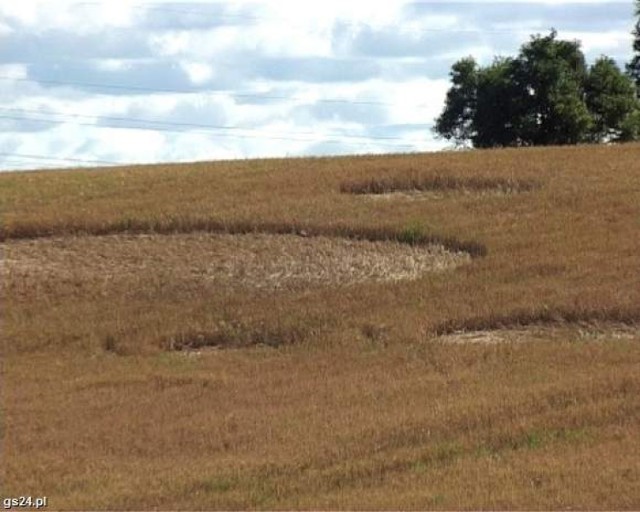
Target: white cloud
x,y
416,101
112,64
198,72
81,17
25,12
4,28
324,13
13,70
614,42
171,43
269,39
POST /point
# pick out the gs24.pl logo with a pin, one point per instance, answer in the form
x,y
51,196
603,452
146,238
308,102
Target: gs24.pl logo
x,y
24,502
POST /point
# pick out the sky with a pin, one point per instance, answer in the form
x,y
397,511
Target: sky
x,y
109,82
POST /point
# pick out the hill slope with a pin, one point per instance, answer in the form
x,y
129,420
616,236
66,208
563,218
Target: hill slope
x,y
454,330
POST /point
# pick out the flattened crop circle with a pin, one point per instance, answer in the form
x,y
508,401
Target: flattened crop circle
x,y
262,261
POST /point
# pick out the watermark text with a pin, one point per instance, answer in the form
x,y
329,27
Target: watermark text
x,y
24,502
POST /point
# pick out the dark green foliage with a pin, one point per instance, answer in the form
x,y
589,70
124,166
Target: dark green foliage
x,y
549,77
633,68
611,98
497,105
630,128
456,122
546,95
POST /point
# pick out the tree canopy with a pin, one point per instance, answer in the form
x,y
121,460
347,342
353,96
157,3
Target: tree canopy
x,y
546,95
633,68
610,98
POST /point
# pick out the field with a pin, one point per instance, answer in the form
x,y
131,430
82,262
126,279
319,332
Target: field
x,y
432,331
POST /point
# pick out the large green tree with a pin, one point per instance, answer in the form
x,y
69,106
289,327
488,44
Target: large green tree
x,y
545,95
550,76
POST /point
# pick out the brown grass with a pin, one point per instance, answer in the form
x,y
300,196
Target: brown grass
x,y
342,390
439,182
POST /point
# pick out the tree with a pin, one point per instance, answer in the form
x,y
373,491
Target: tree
x,y
497,106
611,99
456,121
550,78
545,95
630,128
633,68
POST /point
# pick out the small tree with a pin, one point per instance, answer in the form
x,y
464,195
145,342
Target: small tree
x,y
633,68
611,98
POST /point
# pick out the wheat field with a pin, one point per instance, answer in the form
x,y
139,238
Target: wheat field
x,y
455,330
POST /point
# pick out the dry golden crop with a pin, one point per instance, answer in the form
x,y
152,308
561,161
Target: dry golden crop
x,y
263,334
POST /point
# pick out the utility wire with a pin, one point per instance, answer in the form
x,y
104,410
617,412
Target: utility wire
x,y
60,159
159,90
8,165
161,8
153,6
226,135
191,125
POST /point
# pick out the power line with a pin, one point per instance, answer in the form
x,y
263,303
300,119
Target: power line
x,y
225,135
192,125
60,159
8,165
16,159
13,162
160,90
154,6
